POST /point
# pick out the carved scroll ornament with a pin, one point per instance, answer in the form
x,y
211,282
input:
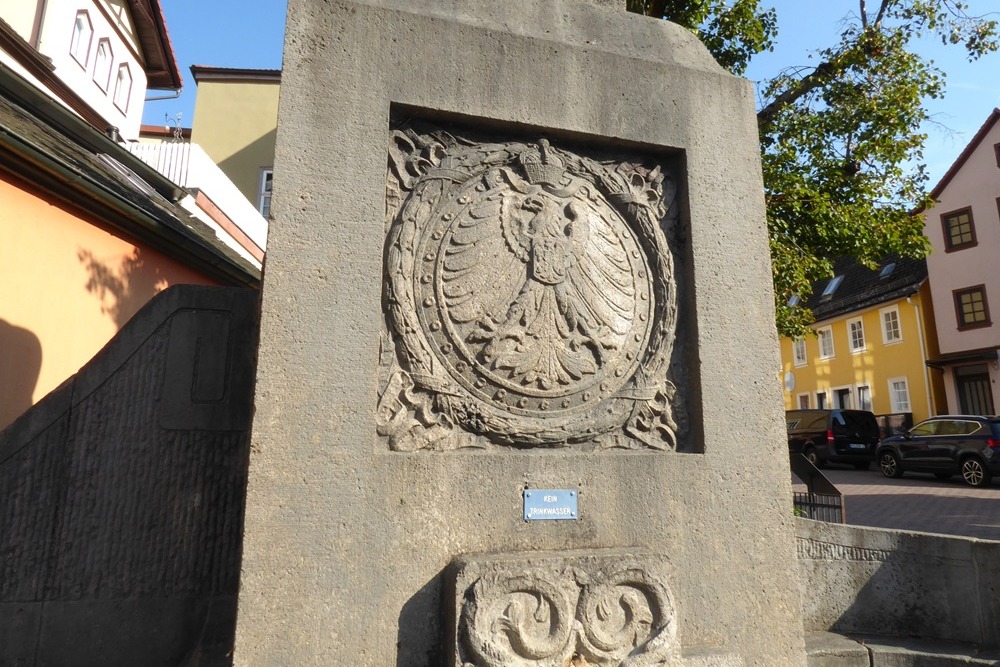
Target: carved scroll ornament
x,y
529,295
622,615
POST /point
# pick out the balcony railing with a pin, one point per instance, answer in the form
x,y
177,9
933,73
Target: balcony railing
x,y
190,167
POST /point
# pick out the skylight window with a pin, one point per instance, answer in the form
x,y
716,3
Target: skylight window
x,y
887,270
832,286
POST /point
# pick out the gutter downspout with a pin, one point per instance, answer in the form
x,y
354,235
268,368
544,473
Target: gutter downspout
x,y
923,353
177,93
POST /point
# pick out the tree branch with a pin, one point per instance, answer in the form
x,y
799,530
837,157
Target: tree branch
x,y
806,84
881,12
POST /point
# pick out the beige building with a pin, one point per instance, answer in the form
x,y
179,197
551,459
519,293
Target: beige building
x,y
964,228
235,119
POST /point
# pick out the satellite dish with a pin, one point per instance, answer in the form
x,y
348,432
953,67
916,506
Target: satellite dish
x,y
789,381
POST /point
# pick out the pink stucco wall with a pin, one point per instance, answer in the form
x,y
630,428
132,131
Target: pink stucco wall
x,y
975,185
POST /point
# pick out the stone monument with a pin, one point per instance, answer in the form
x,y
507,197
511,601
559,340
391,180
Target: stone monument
x,y
515,399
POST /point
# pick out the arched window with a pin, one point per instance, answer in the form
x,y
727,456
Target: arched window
x,y
123,88
102,64
83,34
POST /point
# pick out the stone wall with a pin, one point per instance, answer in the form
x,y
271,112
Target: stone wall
x,y
121,519
869,581
516,246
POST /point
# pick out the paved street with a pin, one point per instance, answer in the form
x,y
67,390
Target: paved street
x,y
917,502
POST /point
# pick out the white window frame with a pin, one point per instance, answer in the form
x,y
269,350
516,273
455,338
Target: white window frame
x,y
896,405
885,331
799,352
122,100
857,393
855,349
105,75
77,48
819,340
798,401
264,192
832,394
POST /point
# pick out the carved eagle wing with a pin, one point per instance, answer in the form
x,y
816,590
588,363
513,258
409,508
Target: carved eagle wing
x,y
484,263
602,277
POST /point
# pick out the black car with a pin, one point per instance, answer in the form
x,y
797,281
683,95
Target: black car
x,y
840,436
945,446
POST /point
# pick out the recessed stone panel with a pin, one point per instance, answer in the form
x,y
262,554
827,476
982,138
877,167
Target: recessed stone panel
x,y
530,294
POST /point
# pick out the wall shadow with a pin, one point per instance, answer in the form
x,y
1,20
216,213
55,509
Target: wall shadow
x,y
420,637
243,167
20,367
920,590
125,288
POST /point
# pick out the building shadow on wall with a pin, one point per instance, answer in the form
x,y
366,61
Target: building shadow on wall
x,y
20,366
123,288
419,640
243,167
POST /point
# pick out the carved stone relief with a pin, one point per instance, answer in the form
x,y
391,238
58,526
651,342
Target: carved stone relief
x,y
605,612
530,297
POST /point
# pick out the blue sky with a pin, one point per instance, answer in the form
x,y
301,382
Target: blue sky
x,y
248,33
221,33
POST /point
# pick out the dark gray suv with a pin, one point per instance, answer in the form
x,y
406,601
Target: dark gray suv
x,y
945,446
840,436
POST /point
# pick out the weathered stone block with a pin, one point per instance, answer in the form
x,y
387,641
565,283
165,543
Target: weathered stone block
x,y
471,201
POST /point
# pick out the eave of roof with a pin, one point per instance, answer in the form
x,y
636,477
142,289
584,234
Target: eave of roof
x,y
160,131
76,164
209,73
162,71
862,288
965,154
41,69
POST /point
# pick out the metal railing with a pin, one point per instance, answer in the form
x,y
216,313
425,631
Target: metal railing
x,y
189,166
822,500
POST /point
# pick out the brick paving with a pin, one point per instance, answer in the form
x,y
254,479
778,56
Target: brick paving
x,y
917,502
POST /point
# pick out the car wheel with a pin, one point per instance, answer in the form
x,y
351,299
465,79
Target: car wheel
x,y
862,465
943,475
889,464
974,472
813,457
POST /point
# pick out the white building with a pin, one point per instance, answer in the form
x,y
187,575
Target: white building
x,y
964,228
98,57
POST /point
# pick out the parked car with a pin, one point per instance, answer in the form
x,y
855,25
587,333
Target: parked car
x,y
945,446
840,436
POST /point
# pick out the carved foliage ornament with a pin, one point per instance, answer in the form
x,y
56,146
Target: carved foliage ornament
x,y
621,615
530,297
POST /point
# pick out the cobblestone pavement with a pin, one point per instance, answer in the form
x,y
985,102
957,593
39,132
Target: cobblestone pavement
x,y
917,502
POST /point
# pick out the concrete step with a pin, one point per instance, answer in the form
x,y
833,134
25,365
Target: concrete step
x,y
829,649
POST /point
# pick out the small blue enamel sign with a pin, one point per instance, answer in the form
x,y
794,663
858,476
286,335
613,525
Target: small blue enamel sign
x,y
550,504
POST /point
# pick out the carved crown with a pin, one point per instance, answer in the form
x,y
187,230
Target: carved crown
x,y
541,166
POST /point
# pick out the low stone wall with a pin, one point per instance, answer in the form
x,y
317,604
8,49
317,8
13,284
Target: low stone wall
x,y
868,581
122,494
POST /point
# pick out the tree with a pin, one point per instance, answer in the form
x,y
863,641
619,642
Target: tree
x,y
841,139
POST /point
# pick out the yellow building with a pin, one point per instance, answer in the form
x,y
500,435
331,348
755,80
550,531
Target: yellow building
x,y
235,120
874,331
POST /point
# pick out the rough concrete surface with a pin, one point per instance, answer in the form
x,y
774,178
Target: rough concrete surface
x,y
348,539
828,649
886,583
123,493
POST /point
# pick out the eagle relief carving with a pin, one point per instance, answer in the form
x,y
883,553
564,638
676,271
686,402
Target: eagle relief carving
x,y
530,298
